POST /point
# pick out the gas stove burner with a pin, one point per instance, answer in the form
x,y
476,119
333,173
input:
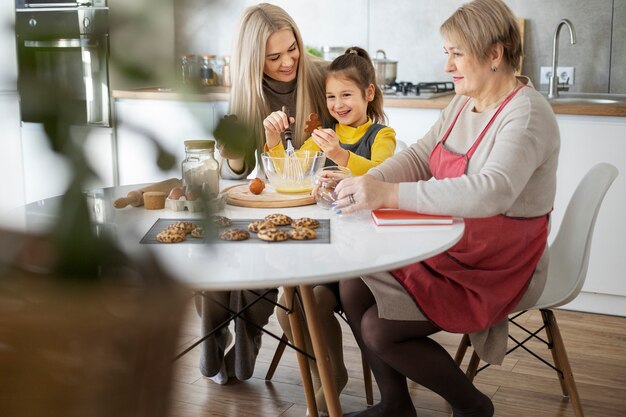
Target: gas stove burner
x,y
435,87
406,89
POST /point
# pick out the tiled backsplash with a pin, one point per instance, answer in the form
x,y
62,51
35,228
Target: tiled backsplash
x,y
408,31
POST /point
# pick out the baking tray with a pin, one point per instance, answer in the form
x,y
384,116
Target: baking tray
x,y
323,233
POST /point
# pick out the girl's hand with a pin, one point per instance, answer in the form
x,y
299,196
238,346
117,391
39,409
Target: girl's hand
x,y
365,193
328,141
274,125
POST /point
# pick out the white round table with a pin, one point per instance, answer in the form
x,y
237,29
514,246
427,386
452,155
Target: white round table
x,y
357,247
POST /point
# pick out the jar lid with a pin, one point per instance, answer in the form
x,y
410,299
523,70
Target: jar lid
x,y
199,144
207,56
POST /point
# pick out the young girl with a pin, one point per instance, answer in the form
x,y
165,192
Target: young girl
x,y
356,140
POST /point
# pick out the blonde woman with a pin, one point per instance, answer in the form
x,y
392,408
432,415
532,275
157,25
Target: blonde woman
x,y
270,69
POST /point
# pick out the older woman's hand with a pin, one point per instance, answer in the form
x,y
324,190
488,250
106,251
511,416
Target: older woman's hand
x,y
365,193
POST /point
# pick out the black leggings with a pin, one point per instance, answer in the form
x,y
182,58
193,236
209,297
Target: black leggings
x,y
398,349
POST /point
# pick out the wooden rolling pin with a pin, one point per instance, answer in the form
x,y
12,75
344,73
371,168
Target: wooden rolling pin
x,y
135,197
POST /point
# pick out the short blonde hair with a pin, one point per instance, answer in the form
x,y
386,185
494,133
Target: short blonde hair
x,y
480,24
247,99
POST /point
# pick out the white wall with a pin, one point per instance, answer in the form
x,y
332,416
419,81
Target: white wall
x,y
8,60
408,30
10,148
208,26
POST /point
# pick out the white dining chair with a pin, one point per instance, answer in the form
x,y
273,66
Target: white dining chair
x,y
400,146
569,260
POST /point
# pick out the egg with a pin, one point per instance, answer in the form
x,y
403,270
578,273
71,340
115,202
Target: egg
x,y
176,193
256,186
192,194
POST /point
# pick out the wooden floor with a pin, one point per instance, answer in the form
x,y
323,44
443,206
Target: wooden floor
x,y
521,387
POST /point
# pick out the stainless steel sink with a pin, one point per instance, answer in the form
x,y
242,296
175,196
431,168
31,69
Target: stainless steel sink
x,y
588,98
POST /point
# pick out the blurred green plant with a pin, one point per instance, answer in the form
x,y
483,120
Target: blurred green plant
x,y
311,50
81,253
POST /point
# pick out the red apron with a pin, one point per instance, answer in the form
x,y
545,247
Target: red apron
x,y
477,282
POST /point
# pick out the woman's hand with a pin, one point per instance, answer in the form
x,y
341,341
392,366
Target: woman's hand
x,y
274,125
365,193
328,141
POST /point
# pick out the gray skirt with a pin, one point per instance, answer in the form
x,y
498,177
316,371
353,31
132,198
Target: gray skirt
x,y
395,303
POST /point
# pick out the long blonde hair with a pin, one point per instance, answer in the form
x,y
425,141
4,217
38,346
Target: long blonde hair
x,y
247,99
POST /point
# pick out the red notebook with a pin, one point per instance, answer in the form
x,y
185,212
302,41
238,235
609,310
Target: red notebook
x,y
396,217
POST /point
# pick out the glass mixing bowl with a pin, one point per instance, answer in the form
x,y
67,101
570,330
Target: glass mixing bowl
x,y
294,174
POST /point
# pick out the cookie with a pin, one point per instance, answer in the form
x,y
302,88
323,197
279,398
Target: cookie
x,y
234,234
221,221
272,235
312,123
198,232
278,219
302,233
307,222
182,227
260,225
170,236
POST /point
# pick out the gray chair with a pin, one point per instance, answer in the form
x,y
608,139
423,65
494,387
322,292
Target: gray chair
x,y
569,260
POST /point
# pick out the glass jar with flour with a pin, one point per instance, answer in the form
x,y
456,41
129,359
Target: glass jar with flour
x,y
200,168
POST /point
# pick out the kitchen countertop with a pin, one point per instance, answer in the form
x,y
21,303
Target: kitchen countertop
x,y
221,94
161,93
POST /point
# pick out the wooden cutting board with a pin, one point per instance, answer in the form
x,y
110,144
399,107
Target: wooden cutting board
x,y
240,195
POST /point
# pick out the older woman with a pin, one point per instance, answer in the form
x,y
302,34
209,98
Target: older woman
x,y
490,158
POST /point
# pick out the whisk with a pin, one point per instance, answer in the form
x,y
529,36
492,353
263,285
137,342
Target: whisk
x,y
292,170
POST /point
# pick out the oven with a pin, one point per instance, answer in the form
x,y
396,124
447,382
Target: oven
x,y
63,51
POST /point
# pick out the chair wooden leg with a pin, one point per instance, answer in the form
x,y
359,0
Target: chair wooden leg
x,y
473,366
280,349
460,352
559,355
367,381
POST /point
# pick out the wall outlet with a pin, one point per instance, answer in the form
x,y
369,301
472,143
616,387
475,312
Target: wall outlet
x,y
564,74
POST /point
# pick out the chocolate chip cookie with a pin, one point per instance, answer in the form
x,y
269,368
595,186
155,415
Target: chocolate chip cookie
x,y
221,221
182,227
307,222
278,219
302,233
198,232
170,236
260,225
234,234
272,235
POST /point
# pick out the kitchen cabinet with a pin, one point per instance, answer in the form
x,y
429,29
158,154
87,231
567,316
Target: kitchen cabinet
x,y
411,124
47,173
11,151
586,141
169,123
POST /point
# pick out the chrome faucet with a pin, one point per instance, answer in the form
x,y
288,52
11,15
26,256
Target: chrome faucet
x,y
553,92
